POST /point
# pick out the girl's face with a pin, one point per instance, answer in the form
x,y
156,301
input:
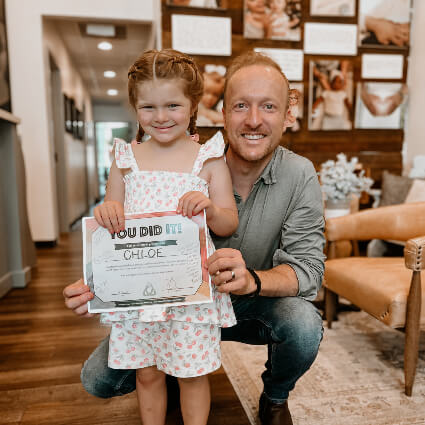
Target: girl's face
x,y
278,5
163,111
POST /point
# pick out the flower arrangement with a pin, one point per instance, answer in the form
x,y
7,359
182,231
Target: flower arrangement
x,y
339,178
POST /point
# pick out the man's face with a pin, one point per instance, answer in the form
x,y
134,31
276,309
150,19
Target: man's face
x,y
255,110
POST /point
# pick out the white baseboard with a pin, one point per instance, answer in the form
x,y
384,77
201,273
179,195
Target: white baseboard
x,y
6,283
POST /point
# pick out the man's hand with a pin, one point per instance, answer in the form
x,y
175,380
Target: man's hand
x,y
110,214
76,297
220,267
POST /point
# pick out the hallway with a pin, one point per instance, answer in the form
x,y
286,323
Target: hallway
x,y
43,345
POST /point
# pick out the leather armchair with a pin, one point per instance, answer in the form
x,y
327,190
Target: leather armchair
x,y
388,288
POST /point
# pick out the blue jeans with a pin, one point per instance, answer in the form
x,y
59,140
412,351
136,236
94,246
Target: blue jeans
x,y
290,326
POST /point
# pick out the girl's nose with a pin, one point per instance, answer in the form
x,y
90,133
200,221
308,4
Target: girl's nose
x,y
161,115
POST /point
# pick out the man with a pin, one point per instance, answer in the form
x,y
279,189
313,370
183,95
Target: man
x,y
280,236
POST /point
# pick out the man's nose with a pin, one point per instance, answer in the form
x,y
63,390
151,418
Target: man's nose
x,y
253,118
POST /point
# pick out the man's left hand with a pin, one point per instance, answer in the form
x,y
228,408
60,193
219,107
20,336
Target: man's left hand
x,y
228,272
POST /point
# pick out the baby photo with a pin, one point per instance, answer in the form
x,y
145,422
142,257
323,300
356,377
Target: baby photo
x,y
384,23
272,19
299,109
332,7
207,4
380,105
331,95
211,104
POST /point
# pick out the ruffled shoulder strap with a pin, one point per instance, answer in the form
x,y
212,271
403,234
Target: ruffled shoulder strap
x,y
124,156
212,148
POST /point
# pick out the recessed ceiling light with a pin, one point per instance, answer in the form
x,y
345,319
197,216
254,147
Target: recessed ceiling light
x,y
100,30
109,74
104,45
112,92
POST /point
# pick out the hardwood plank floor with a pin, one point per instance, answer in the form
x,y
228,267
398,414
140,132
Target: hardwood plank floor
x,y
42,348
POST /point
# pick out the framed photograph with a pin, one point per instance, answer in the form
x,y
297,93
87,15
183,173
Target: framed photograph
x,y
202,35
332,7
4,63
384,23
272,19
159,259
291,61
67,113
206,4
331,95
380,105
382,66
299,109
211,104
80,125
74,119
330,39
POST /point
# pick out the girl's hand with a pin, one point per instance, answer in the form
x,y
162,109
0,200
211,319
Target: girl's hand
x,y
192,203
110,214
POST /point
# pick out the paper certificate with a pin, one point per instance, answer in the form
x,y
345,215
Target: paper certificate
x,y
158,259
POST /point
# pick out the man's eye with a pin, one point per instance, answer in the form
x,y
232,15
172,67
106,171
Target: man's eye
x,y
240,105
268,106
173,105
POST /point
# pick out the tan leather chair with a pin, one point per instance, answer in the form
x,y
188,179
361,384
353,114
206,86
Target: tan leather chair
x,y
387,288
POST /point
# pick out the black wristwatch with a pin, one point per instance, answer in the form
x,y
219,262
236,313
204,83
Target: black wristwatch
x,y
257,280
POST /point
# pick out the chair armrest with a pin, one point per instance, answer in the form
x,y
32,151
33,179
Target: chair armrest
x,y
397,222
414,254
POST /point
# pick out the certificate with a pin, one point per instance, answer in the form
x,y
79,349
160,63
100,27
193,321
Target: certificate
x,y
158,259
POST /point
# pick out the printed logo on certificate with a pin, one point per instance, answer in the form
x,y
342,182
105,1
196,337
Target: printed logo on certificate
x,y
158,259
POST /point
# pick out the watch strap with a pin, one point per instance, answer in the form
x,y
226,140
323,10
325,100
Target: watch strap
x,y
257,280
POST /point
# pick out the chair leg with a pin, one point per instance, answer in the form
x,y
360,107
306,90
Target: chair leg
x,y
330,306
411,345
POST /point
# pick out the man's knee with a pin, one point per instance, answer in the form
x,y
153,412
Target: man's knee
x,y
298,322
100,380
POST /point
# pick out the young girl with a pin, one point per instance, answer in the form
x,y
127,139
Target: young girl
x,y
169,171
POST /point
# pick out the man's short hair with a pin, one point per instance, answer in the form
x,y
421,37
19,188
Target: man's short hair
x,y
250,58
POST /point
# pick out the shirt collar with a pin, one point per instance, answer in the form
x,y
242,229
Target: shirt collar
x,y
269,173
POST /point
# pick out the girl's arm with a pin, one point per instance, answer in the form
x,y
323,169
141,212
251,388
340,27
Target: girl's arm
x,y
220,207
110,214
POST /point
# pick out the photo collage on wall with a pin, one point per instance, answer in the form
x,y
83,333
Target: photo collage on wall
x,y
337,96
4,63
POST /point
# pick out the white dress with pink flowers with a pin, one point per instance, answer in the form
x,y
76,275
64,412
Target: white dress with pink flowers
x,y
182,341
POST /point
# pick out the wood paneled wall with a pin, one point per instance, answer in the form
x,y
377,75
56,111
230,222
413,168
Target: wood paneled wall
x,y
377,150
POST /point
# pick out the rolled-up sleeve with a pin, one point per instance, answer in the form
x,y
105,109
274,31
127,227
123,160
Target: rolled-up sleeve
x,y
302,238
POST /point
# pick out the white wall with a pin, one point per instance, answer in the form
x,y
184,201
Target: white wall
x,y
75,150
414,143
27,62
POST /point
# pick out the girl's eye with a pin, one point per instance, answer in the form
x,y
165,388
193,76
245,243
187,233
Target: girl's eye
x,y
173,105
145,107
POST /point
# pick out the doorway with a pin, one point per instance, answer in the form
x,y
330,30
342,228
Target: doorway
x,y
105,134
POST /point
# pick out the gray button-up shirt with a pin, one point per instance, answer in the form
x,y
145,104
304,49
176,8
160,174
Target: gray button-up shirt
x,y
281,221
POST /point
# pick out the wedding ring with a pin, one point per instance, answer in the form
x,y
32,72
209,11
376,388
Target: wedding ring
x,y
233,275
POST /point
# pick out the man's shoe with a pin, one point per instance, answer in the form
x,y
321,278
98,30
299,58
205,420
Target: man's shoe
x,y
274,413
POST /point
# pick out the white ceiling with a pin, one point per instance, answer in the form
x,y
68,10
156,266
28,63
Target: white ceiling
x,y
91,62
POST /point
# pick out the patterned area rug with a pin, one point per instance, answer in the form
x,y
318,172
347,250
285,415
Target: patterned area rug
x,y
357,378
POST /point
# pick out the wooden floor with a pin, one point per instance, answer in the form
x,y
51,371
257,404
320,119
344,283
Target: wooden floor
x,y
42,348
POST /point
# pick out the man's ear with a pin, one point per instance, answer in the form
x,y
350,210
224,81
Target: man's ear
x,y
223,111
